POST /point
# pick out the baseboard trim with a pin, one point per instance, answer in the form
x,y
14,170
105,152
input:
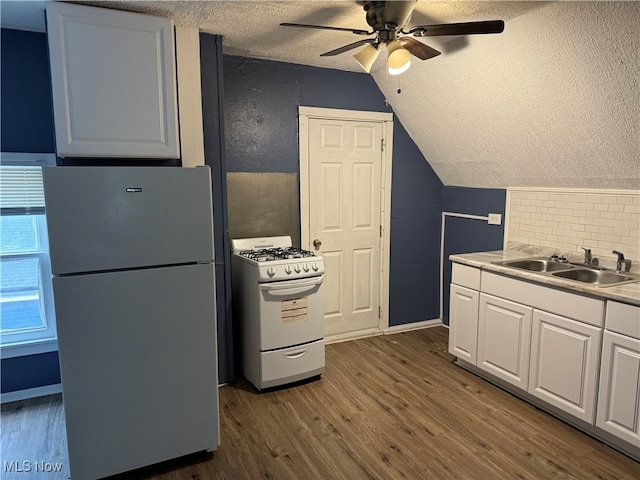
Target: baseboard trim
x,y
30,393
344,337
407,327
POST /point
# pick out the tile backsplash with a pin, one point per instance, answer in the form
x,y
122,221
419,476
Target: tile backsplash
x,y
568,219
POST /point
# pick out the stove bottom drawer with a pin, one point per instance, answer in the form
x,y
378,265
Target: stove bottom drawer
x,y
287,365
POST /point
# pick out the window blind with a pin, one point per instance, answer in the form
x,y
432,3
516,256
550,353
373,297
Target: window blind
x,y
21,189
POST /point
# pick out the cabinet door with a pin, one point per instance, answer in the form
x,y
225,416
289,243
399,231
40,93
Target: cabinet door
x,y
565,356
504,339
619,393
113,81
463,323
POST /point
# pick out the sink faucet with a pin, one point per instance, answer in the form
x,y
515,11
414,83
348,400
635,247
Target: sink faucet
x,y
587,255
622,263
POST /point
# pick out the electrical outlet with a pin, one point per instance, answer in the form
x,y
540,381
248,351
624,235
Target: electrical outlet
x,y
495,219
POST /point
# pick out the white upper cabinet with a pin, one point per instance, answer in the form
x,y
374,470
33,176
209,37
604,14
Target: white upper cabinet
x,y
114,83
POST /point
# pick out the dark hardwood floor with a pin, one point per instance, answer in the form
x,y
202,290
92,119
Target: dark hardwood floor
x,y
388,407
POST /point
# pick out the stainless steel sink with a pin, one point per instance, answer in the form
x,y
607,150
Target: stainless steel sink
x,y
596,276
599,278
537,265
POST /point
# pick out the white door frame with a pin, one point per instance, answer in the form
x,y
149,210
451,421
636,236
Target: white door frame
x,y
386,120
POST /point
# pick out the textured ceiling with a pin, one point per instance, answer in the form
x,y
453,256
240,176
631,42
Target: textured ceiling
x,y
552,102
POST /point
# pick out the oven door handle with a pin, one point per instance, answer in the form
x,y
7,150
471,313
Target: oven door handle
x,y
291,288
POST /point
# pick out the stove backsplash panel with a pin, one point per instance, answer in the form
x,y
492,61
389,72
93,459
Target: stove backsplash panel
x,y
263,205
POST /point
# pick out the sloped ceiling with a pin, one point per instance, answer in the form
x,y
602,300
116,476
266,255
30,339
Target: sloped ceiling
x,y
554,101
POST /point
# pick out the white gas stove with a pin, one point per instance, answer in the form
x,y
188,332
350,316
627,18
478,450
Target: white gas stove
x,y
278,305
276,259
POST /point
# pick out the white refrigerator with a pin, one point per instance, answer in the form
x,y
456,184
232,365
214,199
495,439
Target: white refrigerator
x,y
133,277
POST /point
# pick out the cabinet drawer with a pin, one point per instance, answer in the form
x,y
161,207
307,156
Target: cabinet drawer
x,y
466,276
279,367
578,307
623,318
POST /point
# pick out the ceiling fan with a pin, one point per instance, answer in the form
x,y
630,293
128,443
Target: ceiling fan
x,y
388,19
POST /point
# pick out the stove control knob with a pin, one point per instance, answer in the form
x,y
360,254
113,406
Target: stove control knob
x,y
296,267
271,271
314,265
287,269
305,267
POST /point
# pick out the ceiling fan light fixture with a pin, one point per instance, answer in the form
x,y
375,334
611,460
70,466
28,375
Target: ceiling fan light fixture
x,y
398,71
366,57
398,59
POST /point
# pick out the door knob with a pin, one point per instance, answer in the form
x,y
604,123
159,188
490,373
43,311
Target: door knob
x,y
317,243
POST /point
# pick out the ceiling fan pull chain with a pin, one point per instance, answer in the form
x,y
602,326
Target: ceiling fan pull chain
x,y
399,90
385,89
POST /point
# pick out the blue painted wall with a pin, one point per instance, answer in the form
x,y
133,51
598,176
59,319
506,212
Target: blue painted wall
x,y
416,206
27,111
214,151
23,373
261,131
467,235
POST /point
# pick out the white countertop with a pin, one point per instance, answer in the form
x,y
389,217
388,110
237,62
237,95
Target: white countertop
x,y
627,293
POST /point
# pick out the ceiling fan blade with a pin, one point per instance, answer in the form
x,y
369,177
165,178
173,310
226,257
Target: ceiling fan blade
x,y
323,27
466,28
346,48
398,12
419,49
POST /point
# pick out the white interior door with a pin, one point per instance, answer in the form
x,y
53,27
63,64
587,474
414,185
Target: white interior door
x,y
345,219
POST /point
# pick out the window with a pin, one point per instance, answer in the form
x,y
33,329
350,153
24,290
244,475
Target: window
x,y
26,296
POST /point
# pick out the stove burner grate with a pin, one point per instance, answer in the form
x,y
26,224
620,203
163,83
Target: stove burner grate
x,y
270,254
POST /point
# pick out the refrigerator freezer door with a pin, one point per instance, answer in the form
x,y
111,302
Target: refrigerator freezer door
x,y
139,366
108,218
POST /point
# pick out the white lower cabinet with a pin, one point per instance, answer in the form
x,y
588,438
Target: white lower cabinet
x,y
463,323
578,354
564,364
619,392
619,397
504,339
